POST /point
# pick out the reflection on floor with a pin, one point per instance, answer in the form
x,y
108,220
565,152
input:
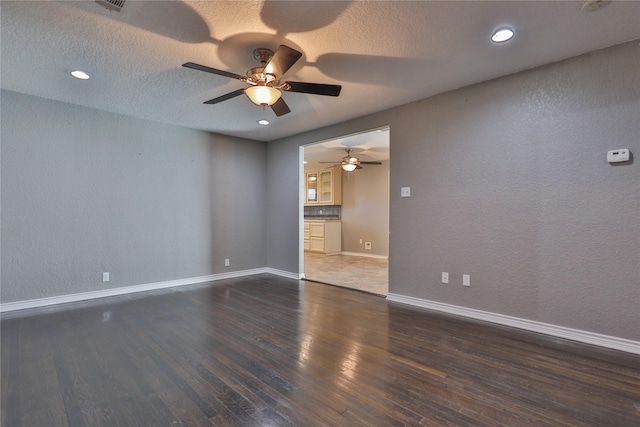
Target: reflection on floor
x,y
356,272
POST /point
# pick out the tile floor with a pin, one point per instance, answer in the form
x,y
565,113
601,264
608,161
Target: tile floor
x,y
355,272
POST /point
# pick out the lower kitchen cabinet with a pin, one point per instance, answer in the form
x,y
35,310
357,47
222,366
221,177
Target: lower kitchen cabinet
x,y
323,236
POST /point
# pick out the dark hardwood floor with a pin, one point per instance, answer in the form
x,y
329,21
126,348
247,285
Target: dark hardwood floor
x,y
269,351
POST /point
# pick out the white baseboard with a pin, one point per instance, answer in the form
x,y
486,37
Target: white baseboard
x,y
62,299
364,255
530,325
287,274
616,343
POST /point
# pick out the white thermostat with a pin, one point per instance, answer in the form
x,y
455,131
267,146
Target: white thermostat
x,y
615,156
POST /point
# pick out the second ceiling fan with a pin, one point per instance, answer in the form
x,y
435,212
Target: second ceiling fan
x,y
351,163
265,81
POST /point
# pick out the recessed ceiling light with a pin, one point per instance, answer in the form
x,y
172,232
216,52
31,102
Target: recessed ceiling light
x,y
502,35
79,74
263,122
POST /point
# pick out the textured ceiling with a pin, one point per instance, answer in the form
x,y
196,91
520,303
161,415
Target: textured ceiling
x,y
383,53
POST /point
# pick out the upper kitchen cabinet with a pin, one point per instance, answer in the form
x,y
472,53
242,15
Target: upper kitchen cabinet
x,y
323,187
311,188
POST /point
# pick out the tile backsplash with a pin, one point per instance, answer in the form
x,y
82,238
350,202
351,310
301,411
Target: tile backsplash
x,y
322,212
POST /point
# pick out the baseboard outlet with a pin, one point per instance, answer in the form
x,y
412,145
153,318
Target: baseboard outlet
x,y
615,343
364,255
84,296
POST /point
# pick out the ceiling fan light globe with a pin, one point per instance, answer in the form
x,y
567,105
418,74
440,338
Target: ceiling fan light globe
x,y
349,167
262,95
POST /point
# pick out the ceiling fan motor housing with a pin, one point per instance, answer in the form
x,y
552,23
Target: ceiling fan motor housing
x,y
258,76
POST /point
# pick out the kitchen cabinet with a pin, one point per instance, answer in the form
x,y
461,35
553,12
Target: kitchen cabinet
x,y
311,188
323,236
323,187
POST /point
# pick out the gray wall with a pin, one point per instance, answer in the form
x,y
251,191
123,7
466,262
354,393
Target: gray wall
x,y
282,211
85,191
365,210
509,184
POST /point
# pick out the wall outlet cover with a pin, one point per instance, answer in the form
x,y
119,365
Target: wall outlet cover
x,y
466,280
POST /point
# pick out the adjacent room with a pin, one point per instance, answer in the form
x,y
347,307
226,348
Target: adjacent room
x,y
346,211
461,248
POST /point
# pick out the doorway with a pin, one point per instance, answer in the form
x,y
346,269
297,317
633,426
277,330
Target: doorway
x,y
345,214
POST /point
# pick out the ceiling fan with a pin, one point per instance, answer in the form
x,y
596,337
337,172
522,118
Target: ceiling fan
x,y
265,81
351,163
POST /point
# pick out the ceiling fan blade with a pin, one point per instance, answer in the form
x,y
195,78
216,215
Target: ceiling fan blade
x,y
280,107
212,70
282,60
313,88
370,163
225,97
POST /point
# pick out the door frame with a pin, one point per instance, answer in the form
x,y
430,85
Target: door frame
x,y
301,191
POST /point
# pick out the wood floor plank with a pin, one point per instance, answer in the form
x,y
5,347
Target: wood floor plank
x,y
10,373
265,351
37,370
209,405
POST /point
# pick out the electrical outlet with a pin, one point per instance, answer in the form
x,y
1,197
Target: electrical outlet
x,y
105,276
466,280
360,241
367,245
445,277
226,262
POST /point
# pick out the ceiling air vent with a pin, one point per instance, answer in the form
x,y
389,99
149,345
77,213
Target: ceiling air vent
x,y
111,4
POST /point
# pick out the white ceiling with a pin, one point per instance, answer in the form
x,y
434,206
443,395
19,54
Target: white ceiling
x,y
383,53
